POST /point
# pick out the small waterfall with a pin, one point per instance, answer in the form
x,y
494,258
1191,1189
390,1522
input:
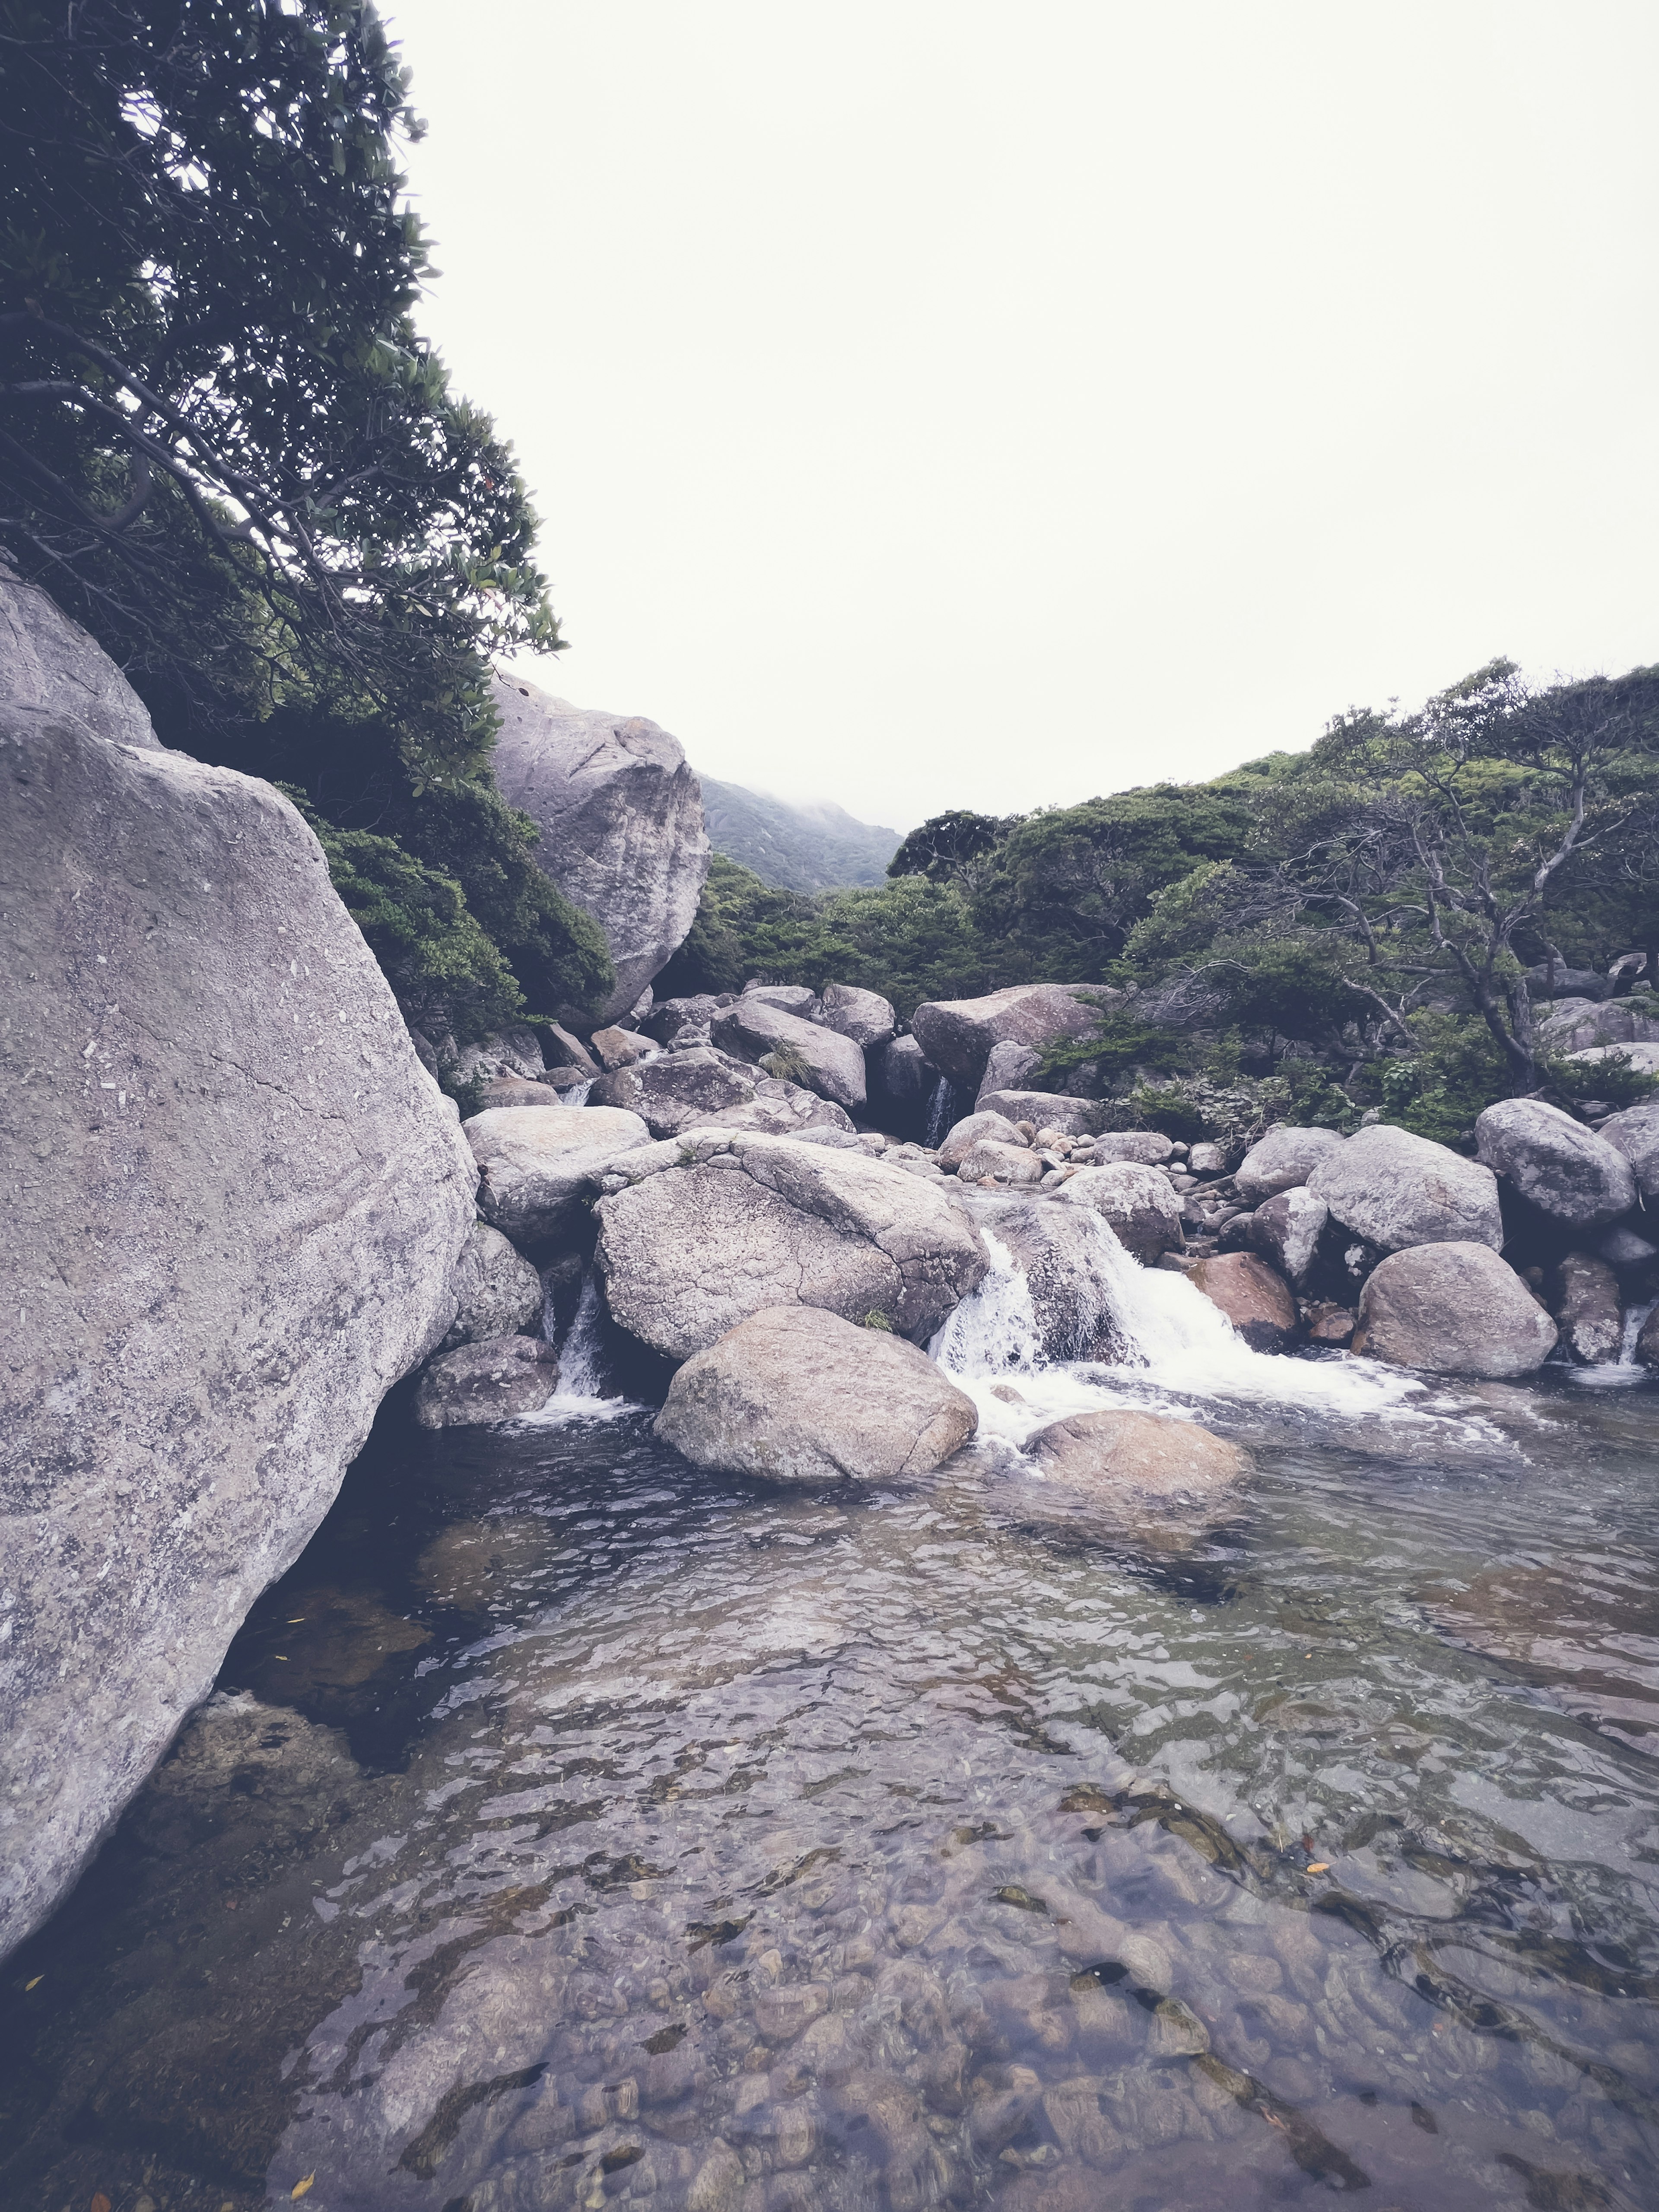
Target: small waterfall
x,y
1626,1370
996,1330
942,1112
577,1094
582,1391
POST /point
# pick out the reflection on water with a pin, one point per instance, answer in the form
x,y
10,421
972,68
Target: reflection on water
x,y
576,1830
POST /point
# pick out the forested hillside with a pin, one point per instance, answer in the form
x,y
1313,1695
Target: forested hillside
x,y
794,848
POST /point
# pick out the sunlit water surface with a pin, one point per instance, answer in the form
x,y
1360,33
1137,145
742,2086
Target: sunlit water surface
x,y
695,1842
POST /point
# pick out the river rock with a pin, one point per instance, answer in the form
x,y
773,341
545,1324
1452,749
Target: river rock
x,y
973,1129
822,1059
1253,1297
490,1380
789,998
957,1033
1283,1160
804,1397
1639,1059
515,1090
687,1252
1073,1269
616,1047
235,1199
864,1016
537,1167
621,818
497,1292
1139,1203
705,1088
1453,1309
1138,1465
1571,1175
1007,1066
1396,1190
1623,1247
49,665
1285,1230
513,1051
1073,1117
1586,1303
1635,1132
1011,1163
1146,1146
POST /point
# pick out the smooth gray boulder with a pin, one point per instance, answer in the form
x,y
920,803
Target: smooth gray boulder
x,y
1254,1296
1396,1190
1007,1066
1144,1146
802,1397
961,1138
1286,1230
1452,1309
1283,1160
513,1051
234,1202
497,1292
686,1253
1635,1132
537,1170
1009,1164
515,1090
1569,1173
621,818
706,1088
49,665
957,1033
491,1381
1069,1258
1139,1203
1623,1247
1072,1117
789,998
864,1016
819,1059
1587,1304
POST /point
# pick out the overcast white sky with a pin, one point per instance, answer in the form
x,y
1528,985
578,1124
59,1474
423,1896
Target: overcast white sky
x,y
938,404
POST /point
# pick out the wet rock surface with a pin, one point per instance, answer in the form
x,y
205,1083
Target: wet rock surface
x,y
492,1380
1456,1310
1139,1202
1253,1295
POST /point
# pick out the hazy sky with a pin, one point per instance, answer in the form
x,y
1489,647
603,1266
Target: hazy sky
x,y
949,404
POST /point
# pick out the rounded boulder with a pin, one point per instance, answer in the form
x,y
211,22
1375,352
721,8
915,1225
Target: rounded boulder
x,y
535,1169
1397,1190
1283,1160
1140,1203
493,1381
1138,1465
1569,1174
1453,1308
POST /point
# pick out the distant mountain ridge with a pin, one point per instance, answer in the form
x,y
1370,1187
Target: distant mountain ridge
x,y
796,849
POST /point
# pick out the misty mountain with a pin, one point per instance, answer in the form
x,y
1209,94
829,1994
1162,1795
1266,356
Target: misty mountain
x,y
818,847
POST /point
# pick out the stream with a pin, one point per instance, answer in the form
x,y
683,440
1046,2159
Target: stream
x,y
572,1829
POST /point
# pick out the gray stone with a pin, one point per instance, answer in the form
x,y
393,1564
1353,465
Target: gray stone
x,y
1576,1025
1070,1270
1396,1190
1621,1247
789,998
902,1081
1561,982
538,1168
1640,1059
1145,1147
1073,1117
1587,1305
235,1198
1137,1201
509,1052
1284,1159
864,1016
499,1090
1009,1164
1635,1132
704,1088
1286,1230
1453,1308
803,1396
960,1140
615,1048
686,1253
957,1033
1569,1173
492,1380
621,818
1206,1160
1007,1066
49,665
819,1059
496,1290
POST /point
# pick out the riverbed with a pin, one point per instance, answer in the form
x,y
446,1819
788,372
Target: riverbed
x,y
572,1828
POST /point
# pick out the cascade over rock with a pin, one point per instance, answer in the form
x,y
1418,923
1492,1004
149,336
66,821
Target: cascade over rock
x,y
621,818
1139,1201
236,1200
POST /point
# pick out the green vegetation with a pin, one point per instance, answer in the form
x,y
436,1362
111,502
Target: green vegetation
x,y
226,449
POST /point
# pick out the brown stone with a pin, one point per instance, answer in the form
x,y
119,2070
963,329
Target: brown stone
x,y
1255,1297
1330,1324
1139,1465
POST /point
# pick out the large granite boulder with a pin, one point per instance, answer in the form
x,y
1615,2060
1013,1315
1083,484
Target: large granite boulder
x,y
234,1202
1072,1117
1453,1308
687,1251
1007,1066
962,1136
957,1033
1571,1175
1587,1304
496,1290
1134,1469
1283,1160
987,1159
1139,1202
1396,1190
621,818
537,1170
704,1088
1074,1272
804,1397
1575,1025
1286,1229
49,665
1145,1147
864,1016
1635,1132
491,1381
1253,1297
820,1059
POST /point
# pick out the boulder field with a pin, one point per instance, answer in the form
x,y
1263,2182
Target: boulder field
x,y
235,1201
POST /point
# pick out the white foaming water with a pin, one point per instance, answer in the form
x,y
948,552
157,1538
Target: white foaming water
x,y
581,1394
577,1094
939,1111
1623,1373
1175,1340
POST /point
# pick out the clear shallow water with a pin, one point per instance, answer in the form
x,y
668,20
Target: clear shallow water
x,y
694,1842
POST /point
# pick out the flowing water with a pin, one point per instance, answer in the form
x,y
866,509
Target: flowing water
x,y
575,1829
